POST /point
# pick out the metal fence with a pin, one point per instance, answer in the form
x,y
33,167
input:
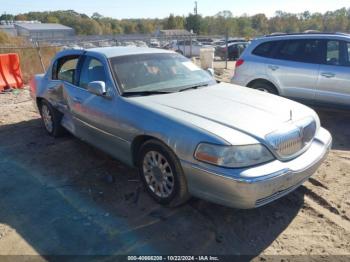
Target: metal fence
x,y
35,55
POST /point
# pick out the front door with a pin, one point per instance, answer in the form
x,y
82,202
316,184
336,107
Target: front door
x,y
334,78
96,116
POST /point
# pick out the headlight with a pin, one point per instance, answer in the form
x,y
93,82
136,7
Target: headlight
x,y
233,156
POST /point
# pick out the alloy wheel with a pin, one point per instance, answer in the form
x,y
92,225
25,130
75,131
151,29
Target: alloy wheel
x,y
47,118
158,174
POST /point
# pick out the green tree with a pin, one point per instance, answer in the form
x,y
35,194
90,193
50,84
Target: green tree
x,y
174,22
260,23
7,17
219,24
52,19
180,22
193,22
170,22
96,16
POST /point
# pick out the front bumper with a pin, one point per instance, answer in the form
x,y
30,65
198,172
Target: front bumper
x,y
256,186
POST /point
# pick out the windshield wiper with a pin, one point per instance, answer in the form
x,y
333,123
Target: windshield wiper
x,y
145,93
193,87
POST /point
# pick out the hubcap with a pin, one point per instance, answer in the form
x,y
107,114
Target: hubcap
x,y
47,118
158,174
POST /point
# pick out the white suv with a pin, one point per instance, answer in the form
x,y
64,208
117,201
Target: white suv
x,y
188,48
314,68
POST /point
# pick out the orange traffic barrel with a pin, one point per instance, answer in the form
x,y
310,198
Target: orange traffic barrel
x,y
10,72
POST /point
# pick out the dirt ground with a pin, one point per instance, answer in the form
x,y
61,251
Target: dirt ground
x,y
63,197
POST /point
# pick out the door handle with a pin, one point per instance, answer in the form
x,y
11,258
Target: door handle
x,y
273,67
328,75
77,100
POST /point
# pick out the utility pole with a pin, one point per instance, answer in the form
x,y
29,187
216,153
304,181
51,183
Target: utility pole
x,y
195,8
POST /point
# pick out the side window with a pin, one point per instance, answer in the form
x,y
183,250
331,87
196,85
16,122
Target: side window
x,y
347,53
265,49
66,69
333,53
311,51
288,50
92,70
304,50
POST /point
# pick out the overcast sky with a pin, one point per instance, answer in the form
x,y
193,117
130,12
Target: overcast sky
x,y
162,8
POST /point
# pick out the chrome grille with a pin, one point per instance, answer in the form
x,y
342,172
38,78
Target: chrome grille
x,y
292,138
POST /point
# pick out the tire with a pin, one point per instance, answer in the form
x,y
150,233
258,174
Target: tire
x,y
51,118
165,182
180,52
265,87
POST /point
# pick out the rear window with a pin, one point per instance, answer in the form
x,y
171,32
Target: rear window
x,y
65,69
265,49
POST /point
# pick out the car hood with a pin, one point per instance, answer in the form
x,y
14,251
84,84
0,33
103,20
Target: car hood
x,y
225,106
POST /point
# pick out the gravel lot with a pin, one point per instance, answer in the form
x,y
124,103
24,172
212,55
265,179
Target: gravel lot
x,y
62,196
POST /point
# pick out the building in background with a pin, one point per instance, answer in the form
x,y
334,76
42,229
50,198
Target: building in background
x,y
8,29
35,30
39,31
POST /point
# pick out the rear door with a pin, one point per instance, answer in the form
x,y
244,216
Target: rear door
x,y
62,88
334,78
295,67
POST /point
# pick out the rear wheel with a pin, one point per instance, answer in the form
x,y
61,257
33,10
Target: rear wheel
x,y
162,175
51,119
264,87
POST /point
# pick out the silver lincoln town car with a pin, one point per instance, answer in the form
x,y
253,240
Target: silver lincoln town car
x,y
187,134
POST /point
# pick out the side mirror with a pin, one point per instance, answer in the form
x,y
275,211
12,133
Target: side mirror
x,y
97,88
211,71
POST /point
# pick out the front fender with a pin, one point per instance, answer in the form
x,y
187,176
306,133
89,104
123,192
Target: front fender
x,y
180,136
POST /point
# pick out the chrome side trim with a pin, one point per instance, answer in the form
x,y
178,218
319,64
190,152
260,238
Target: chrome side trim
x,y
102,131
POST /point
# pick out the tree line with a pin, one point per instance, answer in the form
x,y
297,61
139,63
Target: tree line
x,y
219,24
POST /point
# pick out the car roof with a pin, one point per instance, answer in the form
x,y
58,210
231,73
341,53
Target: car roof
x,y
126,50
235,43
305,36
110,52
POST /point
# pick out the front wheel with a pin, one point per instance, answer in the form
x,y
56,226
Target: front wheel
x,y
162,175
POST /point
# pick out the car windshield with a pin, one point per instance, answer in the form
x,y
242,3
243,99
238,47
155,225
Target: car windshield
x,y
162,73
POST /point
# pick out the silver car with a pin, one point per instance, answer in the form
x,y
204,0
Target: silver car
x,y
312,68
187,135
